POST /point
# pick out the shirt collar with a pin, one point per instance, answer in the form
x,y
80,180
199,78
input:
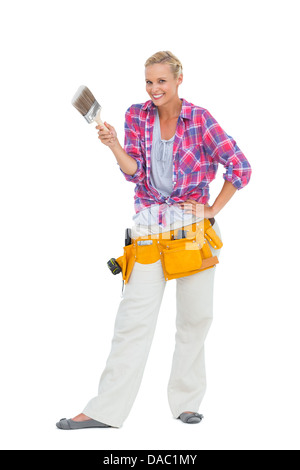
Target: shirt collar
x,y
186,110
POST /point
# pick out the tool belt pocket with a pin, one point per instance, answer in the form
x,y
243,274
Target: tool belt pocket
x,y
181,260
126,262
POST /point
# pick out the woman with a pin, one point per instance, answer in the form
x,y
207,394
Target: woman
x,y
172,151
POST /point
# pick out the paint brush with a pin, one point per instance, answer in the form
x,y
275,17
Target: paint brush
x,y
85,102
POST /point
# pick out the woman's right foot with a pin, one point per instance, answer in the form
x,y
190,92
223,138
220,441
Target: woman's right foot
x,y
80,422
81,417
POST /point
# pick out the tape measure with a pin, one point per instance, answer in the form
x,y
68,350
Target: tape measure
x,y
114,266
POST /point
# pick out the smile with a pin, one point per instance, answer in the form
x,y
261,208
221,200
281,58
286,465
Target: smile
x,y
157,97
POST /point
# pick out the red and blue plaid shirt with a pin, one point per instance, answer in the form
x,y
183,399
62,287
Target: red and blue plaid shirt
x,y
200,144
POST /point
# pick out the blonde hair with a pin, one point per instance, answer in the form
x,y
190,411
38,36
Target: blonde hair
x,y
166,57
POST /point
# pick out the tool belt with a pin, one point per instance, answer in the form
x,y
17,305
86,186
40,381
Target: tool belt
x,y
182,251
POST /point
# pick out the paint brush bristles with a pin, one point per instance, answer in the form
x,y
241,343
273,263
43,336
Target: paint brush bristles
x,y
85,102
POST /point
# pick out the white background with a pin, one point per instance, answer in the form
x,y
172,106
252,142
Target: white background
x,y
64,207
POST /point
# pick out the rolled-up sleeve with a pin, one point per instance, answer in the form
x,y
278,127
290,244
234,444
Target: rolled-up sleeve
x,y
223,149
132,147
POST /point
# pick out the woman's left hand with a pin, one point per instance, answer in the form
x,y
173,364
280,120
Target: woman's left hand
x,y
190,206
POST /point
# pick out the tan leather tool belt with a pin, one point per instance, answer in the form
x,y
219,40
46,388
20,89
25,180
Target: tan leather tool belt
x,y
182,251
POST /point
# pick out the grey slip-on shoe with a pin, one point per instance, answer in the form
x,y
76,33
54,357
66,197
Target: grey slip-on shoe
x,y
191,418
71,424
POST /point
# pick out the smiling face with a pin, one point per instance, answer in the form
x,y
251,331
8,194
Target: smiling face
x,y
161,85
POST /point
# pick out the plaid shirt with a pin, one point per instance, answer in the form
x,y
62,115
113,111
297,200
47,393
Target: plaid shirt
x,y
200,144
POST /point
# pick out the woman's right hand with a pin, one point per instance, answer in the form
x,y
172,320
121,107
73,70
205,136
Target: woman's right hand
x,y
107,138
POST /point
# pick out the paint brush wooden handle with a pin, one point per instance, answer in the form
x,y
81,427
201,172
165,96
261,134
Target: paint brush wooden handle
x,y
98,120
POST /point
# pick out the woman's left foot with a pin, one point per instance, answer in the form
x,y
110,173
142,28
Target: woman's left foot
x,y
190,418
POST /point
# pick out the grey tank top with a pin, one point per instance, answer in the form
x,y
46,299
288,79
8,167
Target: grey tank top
x,y
161,173
161,177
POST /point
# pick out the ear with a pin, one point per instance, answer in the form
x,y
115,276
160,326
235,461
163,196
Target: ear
x,y
180,79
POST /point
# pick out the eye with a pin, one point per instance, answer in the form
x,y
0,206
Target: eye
x,y
162,80
148,82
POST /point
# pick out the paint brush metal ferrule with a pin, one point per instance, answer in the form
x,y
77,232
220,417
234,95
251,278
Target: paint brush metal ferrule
x,y
92,112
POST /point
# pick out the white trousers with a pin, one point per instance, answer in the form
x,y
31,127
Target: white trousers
x,y
133,333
